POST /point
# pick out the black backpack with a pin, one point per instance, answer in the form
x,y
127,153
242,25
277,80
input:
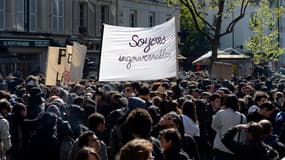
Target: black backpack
x,y
271,153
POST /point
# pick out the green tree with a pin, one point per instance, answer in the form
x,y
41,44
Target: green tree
x,y
220,9
264,43
193,43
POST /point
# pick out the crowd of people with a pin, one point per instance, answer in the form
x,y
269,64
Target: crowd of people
x,y
195,118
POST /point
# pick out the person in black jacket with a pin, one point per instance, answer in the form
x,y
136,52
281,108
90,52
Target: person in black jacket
x,y
265,112
271,139
44,143
16,120
188,144
254,148
170,141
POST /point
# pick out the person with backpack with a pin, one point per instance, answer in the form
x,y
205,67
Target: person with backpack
x,y
222,121
44,143
270,139
254,148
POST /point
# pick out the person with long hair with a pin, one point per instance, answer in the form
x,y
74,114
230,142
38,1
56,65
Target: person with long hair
x,y
189,119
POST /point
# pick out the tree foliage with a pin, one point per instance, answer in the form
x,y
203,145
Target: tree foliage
x,y
194,44
264,42
220,9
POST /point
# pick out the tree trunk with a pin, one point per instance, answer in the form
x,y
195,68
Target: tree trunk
x,y
214,47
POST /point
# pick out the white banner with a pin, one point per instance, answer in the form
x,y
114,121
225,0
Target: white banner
x,y
138,53
78,59
56,62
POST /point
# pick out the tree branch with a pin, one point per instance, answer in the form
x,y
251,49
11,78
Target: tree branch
x,y
234,22
191,3
193,15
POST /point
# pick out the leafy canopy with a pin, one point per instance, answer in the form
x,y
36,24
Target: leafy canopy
x,y
264,43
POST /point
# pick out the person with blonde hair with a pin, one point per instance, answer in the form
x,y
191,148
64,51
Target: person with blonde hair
x,y
137,149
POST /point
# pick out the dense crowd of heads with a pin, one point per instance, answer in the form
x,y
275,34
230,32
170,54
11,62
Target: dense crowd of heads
x,y
191,118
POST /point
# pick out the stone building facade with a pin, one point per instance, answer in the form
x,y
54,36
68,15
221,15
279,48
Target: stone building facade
x,y
28,27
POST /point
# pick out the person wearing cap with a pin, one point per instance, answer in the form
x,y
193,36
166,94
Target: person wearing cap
x,y
5,137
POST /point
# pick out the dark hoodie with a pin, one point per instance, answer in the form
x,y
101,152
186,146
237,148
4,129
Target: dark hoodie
x,y
176,154
272,140
255,149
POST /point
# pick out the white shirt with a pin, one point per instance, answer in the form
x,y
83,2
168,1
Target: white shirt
x,y
223,120
5,137
190,127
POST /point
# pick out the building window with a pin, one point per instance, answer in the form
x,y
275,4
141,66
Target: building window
x,y
105,14
2,14
83,11
151,19
26,15
133,18
282,3
33,15
58,16
20,15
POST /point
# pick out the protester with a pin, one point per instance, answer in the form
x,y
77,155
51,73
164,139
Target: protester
x,y
96,123
189,119
89,139
16,120
200,109
270,139
131,130
87,153
170,140
254,148
222,121
265,111
5,137
259,98
137,149
44,143
188,143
